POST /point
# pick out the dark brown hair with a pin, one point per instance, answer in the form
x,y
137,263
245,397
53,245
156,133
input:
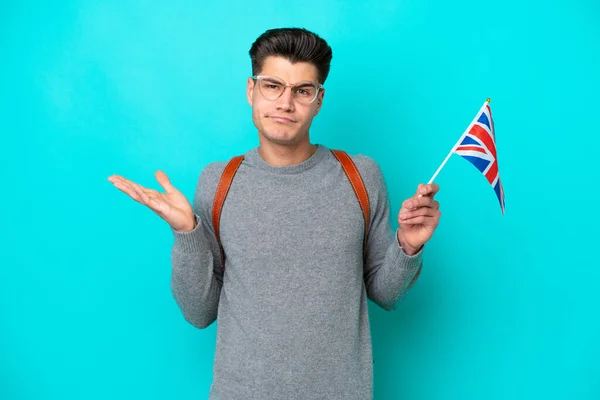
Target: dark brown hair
x,y
294,44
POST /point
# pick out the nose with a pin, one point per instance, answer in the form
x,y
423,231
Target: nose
x,y
286,100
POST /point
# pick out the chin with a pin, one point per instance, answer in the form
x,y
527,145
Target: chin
x,y
282,138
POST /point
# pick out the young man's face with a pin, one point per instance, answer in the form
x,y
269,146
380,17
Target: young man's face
x,y
285,120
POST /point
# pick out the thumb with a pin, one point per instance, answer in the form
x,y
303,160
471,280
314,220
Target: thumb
x,y
164,181
419,187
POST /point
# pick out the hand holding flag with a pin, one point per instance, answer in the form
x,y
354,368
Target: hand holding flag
x,y
418,218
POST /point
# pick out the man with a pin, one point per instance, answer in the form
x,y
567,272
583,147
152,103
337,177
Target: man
x,y
291,298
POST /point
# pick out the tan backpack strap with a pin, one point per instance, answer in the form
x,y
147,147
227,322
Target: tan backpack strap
x,y
359,188
220,194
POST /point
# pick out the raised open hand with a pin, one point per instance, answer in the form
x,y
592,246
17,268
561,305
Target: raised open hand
x,y
172,206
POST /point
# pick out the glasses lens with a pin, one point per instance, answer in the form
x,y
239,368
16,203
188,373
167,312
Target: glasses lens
x,y
271,88
305,93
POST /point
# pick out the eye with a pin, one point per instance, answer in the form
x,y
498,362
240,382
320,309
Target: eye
x,y
305,91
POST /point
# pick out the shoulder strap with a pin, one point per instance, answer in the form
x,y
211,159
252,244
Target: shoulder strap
x,y
220,194
359,189
347,165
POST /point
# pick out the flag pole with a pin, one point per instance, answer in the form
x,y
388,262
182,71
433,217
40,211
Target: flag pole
x,y
459,140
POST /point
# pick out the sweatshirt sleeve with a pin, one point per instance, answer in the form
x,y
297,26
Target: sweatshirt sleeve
x,y
196,276
389,273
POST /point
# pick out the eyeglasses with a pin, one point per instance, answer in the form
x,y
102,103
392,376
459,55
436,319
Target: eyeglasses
x,y
272,87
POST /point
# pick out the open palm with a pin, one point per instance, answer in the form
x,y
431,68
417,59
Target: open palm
x,y
172,206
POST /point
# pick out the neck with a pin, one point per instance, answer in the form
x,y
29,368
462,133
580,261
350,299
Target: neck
x,y
279,155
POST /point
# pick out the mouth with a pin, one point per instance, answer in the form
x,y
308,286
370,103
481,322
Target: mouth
x,y
281,120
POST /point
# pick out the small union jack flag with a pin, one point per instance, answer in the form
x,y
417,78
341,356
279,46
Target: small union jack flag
x,y
478,146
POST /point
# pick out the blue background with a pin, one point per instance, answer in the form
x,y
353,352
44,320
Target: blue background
x,y
506,307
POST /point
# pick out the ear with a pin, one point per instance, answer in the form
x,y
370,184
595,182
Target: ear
x,y
319,101
249,90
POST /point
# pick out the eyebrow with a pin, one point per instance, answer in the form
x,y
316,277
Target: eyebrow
x,y
271,79
302,84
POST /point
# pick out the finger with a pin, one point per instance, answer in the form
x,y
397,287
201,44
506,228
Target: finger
x,y
127,189
420,187
127,182
144,196
123,181
428,190
434,204
118,178
114,178
164,181
423,220
417,202
141,193
423,211
152,193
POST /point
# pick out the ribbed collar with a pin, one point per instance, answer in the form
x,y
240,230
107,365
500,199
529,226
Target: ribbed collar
x,y
252,157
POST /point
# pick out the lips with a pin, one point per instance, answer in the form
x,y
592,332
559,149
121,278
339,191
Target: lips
x,y
280,119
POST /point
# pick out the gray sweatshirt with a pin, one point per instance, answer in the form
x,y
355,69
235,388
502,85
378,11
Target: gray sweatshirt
x,y
292,302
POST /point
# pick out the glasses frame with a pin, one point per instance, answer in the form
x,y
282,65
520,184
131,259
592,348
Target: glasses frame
x,y
286,85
